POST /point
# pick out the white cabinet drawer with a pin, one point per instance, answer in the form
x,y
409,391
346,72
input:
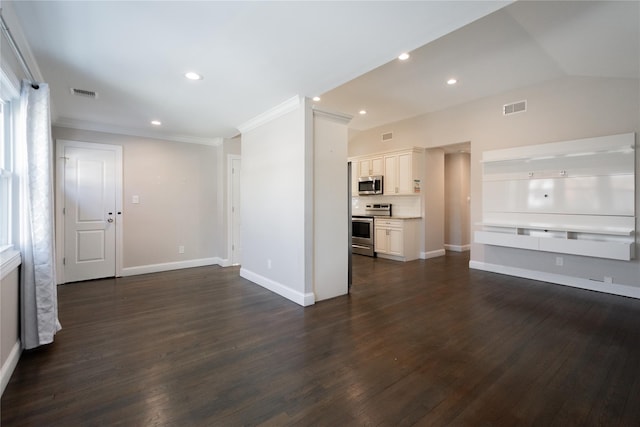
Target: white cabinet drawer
x,y
395,223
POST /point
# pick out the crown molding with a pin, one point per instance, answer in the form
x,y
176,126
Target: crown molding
x,y
100,127
271,114
12,21
333,115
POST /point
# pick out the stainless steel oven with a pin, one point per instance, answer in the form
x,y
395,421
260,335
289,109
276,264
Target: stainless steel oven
x,y
362,235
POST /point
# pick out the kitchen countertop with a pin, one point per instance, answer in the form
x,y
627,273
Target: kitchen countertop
x,y
396,217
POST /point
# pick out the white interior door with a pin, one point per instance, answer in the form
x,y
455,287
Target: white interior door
x,y
236,243
91,210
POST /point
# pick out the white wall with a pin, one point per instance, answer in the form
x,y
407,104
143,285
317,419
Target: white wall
x,y
274,207
177,184
330,202
564,109
9,325
294,202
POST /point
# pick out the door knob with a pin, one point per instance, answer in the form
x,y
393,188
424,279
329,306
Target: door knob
x,y
110,220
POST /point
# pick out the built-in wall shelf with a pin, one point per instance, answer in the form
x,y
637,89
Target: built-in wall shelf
x,y
559,242
568,229
574,197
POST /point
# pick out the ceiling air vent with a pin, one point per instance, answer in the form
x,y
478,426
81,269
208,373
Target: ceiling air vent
x,y
83,92
388,136
516,107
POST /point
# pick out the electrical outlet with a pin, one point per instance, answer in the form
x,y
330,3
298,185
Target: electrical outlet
x,y
269,264
608,279
135,199
559,261
180,249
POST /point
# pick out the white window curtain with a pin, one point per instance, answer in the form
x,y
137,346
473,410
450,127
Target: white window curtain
x,y
34,164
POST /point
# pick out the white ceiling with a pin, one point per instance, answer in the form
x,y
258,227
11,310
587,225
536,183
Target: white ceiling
x,y
520,45
255,55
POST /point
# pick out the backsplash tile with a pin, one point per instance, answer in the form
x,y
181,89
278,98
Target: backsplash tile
x,y
401,205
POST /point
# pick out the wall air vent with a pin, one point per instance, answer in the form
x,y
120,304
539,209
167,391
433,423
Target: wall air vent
x,y
83,92
387,136
516,107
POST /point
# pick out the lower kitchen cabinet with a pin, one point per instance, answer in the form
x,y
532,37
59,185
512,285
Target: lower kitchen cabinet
x,y
396,238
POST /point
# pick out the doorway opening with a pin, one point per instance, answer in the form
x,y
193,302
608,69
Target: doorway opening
x,y
234,241
457,200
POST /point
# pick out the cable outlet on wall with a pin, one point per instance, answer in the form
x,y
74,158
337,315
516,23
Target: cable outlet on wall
x,y
559,261
180,249
269,264
608,279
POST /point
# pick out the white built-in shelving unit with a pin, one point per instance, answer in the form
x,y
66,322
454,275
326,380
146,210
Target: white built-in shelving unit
x,y
572,197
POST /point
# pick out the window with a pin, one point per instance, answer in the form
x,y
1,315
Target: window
x,y
9,100
5,177
9,96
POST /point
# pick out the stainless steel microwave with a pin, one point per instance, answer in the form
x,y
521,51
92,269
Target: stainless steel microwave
x,y
369,185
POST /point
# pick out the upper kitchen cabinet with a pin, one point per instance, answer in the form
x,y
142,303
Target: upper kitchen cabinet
x,y
371,166
402,173
402,170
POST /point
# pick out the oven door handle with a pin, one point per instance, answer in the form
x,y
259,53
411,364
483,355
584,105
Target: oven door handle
x,y
364,220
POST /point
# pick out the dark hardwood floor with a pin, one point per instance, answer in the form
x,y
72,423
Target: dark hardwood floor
x,y
421,343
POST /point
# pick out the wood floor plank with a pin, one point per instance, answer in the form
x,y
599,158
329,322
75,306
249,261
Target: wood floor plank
x,y
428,342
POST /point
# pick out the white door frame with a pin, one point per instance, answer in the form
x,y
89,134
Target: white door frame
x,y
230,159
60,179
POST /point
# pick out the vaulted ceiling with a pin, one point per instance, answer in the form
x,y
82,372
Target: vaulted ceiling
x,y
526,43
255,55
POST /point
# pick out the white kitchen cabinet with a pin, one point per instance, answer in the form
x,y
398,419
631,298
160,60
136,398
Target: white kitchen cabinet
x,y
364,167
401,170
401,173
390,184
371,166
389,240
396,238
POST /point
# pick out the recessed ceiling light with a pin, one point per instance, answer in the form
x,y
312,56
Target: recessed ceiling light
x,y
363,112
156,122
193,76
452,81
403,56
316,98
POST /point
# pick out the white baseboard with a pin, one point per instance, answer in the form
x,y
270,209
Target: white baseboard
x,y
156,268
457,248
559,279
224,263
432,254
391,257
304,300
9,366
